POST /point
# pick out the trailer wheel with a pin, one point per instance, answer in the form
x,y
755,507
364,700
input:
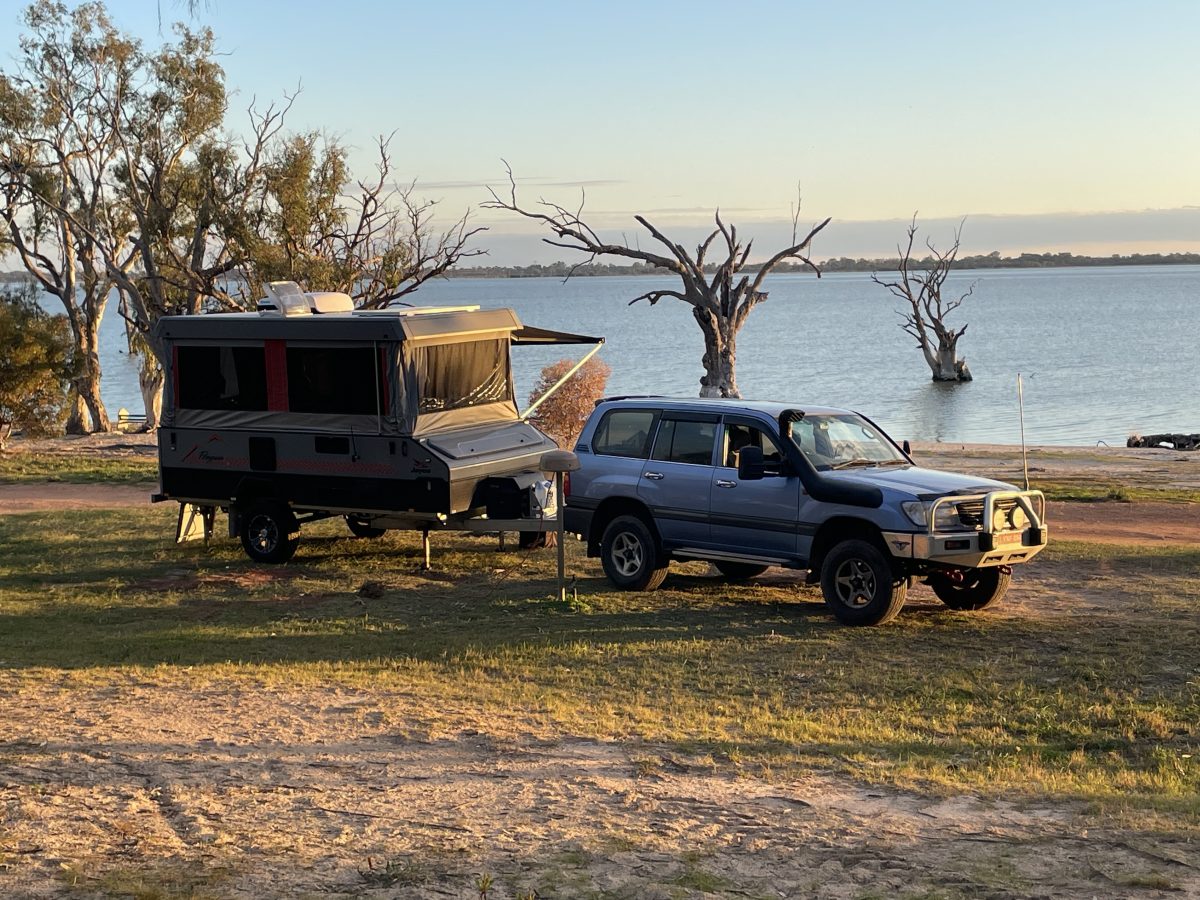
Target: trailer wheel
x,y
363,528
269,531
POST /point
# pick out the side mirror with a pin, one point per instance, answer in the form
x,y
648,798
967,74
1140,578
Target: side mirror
x,y
750,464
906,447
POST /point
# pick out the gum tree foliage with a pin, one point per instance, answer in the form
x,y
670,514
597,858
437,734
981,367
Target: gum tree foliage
x,y
721,295
35,364
56,146
193,217
564,413
920,285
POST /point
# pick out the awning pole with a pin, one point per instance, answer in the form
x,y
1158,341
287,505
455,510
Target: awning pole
x,y
540,400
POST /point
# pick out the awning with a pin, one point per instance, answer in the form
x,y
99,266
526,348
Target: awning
x,y
527,335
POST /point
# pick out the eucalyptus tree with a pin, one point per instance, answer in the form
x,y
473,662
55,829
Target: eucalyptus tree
x,y
56,146
368,237
920,285
721,295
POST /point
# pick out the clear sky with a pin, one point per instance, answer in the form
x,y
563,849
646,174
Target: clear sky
x,y
1049,125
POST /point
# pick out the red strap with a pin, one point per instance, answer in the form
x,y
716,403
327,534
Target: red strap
x,y
277,384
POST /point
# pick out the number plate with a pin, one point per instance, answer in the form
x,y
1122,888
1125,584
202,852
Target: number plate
x,y
1006,538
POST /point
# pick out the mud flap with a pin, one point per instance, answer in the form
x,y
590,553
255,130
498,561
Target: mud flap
x,y
195,523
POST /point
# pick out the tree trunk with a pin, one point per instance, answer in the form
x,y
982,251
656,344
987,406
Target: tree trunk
x,y
87,385
720,355
79,421
151,379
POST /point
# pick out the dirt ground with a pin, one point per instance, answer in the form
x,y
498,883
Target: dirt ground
x,y
338,793
230,790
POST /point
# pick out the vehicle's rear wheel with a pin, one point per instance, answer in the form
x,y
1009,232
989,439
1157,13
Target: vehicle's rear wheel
x,y
269,531
735,571
859,585
630,555
979,588
363,528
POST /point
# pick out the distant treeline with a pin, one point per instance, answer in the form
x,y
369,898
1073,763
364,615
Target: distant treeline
x,y
991,260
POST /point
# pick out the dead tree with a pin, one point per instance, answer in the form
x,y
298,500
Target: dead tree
x,y
925,319
721,297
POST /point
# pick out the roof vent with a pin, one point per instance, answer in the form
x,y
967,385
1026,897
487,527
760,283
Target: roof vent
x,y
330,302
288,298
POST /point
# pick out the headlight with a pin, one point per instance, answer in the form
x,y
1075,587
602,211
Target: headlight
x,y
947,519
917,512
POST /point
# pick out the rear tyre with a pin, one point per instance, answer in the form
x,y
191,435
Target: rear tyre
x,y
735,571
269,531
859,585
979,589
363,528
630,555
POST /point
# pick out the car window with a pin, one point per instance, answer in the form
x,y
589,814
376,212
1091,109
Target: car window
x,y
685,442
624,432
738,436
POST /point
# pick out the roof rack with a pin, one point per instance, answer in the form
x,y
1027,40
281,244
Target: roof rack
x,y
630,397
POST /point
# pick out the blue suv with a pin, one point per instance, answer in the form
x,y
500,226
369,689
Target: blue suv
x,y
748,485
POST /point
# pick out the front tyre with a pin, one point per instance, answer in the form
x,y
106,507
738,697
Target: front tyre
x,y
269,531
859,585
630,555
979,588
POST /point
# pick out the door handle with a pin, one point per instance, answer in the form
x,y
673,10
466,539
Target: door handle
x,y
653,476
721,482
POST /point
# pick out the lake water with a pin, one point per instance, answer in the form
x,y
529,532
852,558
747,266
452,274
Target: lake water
x,y
1103,351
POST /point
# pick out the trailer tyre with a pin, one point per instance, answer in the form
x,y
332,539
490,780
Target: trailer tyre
x,y
269,531
363,528
630,555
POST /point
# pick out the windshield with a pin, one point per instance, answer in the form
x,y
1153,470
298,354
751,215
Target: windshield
x,y
842,442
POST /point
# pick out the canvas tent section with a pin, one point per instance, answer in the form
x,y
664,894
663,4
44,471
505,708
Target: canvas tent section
x,y
403,372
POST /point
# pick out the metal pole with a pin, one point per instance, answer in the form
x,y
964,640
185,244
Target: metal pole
x,y
554,387
562,560
425,566
1021,409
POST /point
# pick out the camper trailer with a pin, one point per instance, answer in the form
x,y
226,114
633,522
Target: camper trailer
x,y
309,409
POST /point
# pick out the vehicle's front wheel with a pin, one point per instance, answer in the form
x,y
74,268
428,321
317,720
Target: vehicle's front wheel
x,y
269,531
363,528
978,589
735,571
859,585
630,555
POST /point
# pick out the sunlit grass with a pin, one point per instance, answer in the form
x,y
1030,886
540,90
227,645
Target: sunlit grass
x,y
1099,704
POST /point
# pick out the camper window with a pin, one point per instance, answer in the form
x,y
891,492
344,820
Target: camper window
x,y
455,376
336,380
221,378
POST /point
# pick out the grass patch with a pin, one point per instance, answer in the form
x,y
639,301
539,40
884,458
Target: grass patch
x,y
1097,701
25,468
1092,491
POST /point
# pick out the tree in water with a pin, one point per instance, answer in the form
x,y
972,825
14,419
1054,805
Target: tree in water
x,y
920,286
721,296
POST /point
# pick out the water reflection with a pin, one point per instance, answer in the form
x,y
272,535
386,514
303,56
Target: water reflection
x,y
937,410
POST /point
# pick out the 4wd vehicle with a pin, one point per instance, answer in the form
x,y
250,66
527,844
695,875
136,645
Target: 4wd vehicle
x,y
748,485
